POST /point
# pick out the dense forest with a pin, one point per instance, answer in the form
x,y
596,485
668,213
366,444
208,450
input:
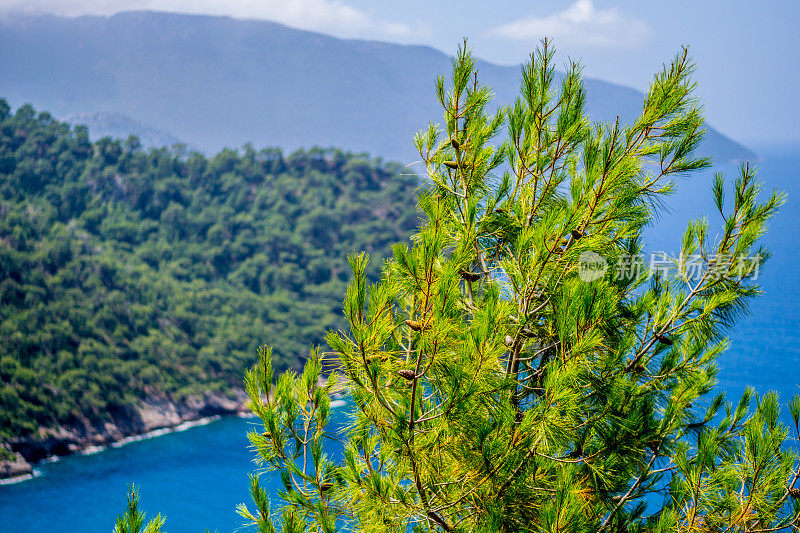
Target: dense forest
x,y
127,272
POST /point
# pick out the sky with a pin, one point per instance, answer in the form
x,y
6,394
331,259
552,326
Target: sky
x,y
747,52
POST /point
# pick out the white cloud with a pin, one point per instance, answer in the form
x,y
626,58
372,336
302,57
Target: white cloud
x,y
581,24
328,16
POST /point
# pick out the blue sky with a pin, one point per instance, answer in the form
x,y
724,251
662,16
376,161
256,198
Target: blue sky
x,y
747,52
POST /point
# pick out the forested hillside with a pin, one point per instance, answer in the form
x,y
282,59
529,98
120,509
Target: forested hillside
x,y
126,273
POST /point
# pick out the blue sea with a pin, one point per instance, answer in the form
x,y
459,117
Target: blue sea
x,y
197,477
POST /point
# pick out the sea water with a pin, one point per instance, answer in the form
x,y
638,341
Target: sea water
x,y
197,477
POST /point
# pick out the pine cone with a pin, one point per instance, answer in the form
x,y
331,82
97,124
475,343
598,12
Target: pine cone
x,y
470,276
794,492
663,339
325,486
451,164
455,144
407,374
416,326
576,234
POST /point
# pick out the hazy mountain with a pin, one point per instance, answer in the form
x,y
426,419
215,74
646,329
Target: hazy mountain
x,y
216,81
108,124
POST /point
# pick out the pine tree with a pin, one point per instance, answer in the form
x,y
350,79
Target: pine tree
x,y
133,520
505,374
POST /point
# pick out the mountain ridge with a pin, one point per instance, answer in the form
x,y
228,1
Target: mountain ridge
x,y
215,82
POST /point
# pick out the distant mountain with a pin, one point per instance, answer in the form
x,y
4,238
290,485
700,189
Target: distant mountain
x,y
119,126
217,81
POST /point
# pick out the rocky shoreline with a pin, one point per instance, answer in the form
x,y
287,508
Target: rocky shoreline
x,y
154,414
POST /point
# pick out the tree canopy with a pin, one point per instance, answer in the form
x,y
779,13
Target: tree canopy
x,y
127,273
503,376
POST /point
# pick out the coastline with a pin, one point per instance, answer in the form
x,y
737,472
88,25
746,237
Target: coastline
x,y
153,417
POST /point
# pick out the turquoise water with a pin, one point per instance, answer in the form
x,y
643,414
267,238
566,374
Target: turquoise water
x,y
198,476
764,351
195,477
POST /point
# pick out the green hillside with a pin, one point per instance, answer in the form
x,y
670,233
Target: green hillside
x,y
126,273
